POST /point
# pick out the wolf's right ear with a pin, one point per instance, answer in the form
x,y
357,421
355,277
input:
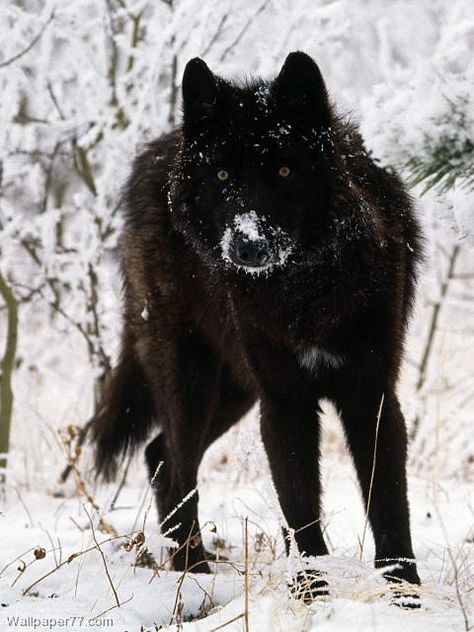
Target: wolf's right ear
x,y
200,89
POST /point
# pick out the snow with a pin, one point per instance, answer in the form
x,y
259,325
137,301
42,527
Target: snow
x,y
460,204
248,225
263,96
229,493
419,115
398,68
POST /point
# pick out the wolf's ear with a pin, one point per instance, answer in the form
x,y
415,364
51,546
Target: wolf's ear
x,y
301,89
200,89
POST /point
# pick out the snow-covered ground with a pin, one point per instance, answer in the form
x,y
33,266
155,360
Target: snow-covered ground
x,y
384,61
234,488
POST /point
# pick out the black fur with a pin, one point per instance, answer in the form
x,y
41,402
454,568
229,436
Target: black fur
x,y
266,256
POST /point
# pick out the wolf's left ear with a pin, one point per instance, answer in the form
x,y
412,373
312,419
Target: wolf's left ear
x,y
200,89
300,87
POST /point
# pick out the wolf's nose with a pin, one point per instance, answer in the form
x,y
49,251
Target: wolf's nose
x,y
250,253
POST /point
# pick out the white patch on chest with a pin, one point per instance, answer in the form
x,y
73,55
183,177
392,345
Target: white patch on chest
x,y
145,312
314,358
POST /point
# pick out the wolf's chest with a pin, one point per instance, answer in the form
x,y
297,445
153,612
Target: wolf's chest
x,y
314,358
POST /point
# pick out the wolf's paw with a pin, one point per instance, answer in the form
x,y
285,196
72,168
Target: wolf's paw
x,y
405,584
405,599
404,580
309,586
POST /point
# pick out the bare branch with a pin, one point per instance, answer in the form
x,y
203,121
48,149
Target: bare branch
x,y
244,29
104,560
433,328
214,38
26,50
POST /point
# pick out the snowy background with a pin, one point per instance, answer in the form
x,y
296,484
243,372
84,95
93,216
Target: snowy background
x,y
83,85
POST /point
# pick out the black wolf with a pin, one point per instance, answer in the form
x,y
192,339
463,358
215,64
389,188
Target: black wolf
x,y
265,257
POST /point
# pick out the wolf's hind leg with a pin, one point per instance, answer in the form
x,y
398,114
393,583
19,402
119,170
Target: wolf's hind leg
x,y
232,403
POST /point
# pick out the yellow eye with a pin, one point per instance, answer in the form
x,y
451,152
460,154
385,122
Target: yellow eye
x,y
284,172
222,175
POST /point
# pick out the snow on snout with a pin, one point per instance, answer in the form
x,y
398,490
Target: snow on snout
x,y
248,226
254,228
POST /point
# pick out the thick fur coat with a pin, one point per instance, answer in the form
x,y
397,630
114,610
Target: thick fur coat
x,y
266,256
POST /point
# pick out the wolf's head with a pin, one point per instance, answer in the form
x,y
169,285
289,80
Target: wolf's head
x,y
251,184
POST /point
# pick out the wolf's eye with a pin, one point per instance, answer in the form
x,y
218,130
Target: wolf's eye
x,y
222,175
284,172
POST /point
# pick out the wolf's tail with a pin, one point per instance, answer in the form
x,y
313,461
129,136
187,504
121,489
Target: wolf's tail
x,y
126,414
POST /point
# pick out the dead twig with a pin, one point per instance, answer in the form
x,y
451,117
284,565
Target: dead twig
x,y
462,605
372,476
246,578
104,560
74,556
178,600
81,437
2,570
224,625
121,484
69,437
122,603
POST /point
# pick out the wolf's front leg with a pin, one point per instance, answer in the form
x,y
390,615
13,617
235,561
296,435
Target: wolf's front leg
x,y
290,434
377,438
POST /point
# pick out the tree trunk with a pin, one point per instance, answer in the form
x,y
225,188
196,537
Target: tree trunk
x,y
7,366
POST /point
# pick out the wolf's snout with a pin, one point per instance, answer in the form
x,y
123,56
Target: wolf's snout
x,y
251,253
252,244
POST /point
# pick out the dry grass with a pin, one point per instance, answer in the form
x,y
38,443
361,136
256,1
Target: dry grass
x,y
259,562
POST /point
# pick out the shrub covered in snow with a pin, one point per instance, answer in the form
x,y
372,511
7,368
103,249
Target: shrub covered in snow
x,y
422,123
